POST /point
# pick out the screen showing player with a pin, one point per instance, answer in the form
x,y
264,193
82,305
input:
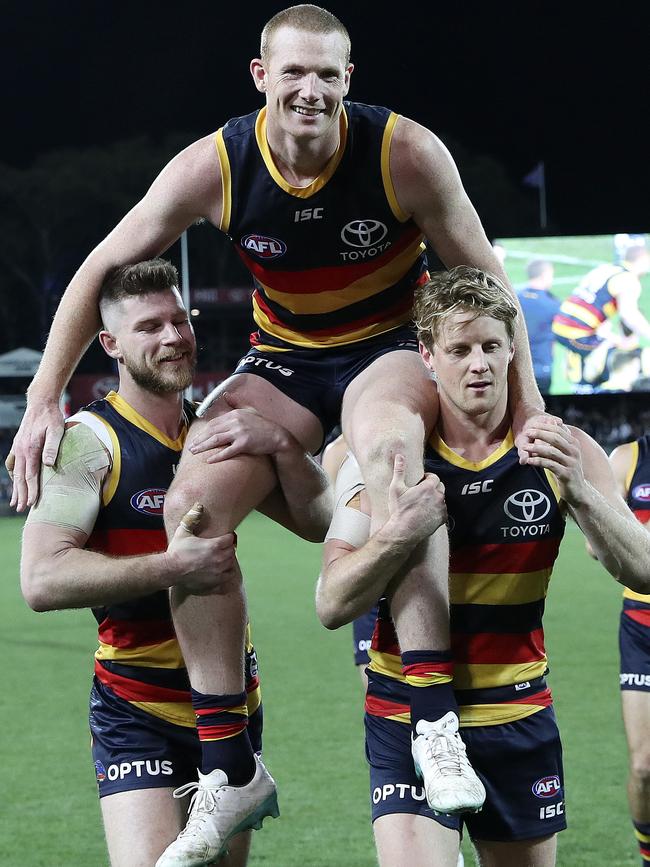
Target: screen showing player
x,y
586,301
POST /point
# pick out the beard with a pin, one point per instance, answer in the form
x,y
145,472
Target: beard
x,y
161,378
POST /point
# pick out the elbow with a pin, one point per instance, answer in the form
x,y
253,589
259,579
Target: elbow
x,y
35,591
329,613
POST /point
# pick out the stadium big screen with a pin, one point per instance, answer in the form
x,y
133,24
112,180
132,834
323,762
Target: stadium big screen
x,y
586,301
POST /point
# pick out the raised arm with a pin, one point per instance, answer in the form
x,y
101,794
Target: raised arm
x,y
356,569
56,570
590,490
428,188
188,188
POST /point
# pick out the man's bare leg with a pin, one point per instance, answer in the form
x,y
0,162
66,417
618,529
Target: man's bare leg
x,y
524,853
211,629
636,716
404,840
140,825
389,409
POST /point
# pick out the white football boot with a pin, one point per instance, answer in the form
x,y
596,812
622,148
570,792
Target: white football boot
x,y
450,782
217,812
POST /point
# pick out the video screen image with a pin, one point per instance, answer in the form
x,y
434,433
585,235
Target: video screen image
x,y
586,301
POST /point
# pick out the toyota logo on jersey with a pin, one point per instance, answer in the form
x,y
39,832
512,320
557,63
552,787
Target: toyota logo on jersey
x,y
527,506
150,501
363,233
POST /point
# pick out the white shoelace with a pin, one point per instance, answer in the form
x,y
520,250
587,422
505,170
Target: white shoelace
x,y
203,801
446,753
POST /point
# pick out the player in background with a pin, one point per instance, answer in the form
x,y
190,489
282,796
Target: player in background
x,y
506,522
631,467
584,323
539,307
96,539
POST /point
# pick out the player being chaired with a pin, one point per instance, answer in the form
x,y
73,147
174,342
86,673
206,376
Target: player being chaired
x,y
329,204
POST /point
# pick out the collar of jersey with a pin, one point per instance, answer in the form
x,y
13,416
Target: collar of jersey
x,y
452,457
126,410
319,182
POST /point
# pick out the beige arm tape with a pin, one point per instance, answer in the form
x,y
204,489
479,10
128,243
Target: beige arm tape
x,y
349,524
71,489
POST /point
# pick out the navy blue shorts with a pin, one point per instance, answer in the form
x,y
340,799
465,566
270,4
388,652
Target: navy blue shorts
x,y
634,645
134,750
580,348
520,764
317,378
362,630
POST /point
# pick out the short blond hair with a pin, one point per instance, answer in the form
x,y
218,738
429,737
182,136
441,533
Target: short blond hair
x,y
463,289
306,17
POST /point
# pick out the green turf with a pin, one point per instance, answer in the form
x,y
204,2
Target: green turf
x,y
572,257
313,717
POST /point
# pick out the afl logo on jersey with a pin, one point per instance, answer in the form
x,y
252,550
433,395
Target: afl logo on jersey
x,y
263,247
527,506
363,233
641,492
149,501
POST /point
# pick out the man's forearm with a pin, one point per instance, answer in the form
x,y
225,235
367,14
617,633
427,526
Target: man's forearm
x,y
75,324
77,578
620,542
352,584
306,490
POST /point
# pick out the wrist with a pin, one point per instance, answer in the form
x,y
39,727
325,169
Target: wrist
x,y
394,535
41,394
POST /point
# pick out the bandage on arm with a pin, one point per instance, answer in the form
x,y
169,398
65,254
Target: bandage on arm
x,y
349,523
71,489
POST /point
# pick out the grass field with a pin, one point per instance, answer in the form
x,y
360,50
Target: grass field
x,y
313,717
572,257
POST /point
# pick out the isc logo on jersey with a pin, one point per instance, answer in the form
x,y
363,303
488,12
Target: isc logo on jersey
x,y
263,247
641,492
547,787
150,501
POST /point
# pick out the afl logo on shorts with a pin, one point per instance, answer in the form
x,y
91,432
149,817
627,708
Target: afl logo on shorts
x,y
100,772
527,506
149,501
641,492
363,233
263,247
547,787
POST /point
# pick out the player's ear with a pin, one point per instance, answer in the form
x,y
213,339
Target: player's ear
x,y
349,69
426,355
109,343
259,74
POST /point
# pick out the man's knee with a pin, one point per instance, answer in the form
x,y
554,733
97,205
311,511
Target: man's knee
x,y
376,456
640,767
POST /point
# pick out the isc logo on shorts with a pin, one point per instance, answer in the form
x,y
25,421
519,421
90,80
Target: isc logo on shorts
x,y
547,787
150,501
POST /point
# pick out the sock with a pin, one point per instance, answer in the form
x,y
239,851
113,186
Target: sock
x,y
221,723
429,675
642,833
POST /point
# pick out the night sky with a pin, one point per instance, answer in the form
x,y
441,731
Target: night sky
x,y
566,83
